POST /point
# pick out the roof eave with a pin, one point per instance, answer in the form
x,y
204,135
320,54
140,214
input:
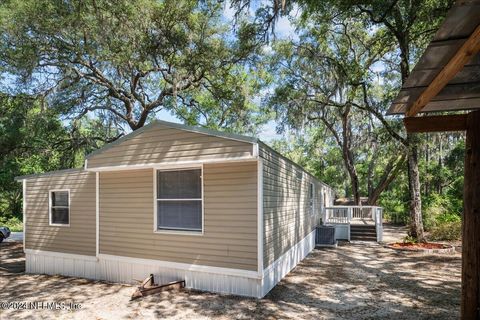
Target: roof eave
x,y
50,173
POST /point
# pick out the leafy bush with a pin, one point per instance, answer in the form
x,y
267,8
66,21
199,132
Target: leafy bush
x,y
448,231
439,209
448,217
395,210
13,223
441,219
435,207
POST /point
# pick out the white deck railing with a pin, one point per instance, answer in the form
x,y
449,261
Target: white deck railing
x,y
348,214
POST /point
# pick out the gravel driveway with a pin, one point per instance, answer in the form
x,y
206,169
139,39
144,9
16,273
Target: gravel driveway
x,y
353,281
15,236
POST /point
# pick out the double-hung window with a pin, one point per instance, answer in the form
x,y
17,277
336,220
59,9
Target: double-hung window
x,y
179,200
59,209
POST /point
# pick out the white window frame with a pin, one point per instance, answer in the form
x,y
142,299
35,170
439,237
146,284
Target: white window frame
x,y
50,208
311,202
155,201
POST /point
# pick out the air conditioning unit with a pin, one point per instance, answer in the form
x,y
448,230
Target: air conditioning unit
x,y
325,236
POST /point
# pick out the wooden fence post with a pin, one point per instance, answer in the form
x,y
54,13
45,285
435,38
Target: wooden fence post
x,y
471,221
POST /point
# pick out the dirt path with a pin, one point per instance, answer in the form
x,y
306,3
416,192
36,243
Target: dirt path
x,y
12,259
353,281
393,233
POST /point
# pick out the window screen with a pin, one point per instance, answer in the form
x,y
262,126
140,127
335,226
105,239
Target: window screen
x,y
59,208
179,200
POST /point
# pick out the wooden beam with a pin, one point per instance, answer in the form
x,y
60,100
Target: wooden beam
x,y
468,90
454,122
470,48
470,307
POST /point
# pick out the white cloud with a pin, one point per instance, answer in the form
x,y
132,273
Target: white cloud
x,y
268,131
228,11
284,29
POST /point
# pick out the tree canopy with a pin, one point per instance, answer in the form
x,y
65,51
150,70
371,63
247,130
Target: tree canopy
x,y
128,60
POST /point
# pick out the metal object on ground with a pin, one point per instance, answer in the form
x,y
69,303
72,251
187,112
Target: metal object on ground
x,y
325,236
149,287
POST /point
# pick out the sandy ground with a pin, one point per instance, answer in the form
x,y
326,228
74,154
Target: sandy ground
x,y
393,233
352,281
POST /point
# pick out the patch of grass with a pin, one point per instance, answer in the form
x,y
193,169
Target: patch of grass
x,y
14,224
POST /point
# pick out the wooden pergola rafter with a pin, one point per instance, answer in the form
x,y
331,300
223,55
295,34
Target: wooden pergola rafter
x,y
469,49
447,78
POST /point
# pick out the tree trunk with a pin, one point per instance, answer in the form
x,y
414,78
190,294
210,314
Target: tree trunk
x,y
427,160
348,155
440,163
352,172
415,206
391,172
471,221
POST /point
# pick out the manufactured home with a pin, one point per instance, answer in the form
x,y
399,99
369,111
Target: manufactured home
x,y
223,212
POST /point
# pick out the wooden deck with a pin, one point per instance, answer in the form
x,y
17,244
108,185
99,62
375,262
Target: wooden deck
x,y
346,218
362,222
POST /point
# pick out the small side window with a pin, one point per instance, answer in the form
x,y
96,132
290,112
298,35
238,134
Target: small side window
x,y
59,207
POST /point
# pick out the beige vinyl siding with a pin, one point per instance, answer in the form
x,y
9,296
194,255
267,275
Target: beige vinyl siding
x,y
160,144
79,237
230,218
287,218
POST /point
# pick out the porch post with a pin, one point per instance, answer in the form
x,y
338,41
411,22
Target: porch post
x,y
470,308
349,220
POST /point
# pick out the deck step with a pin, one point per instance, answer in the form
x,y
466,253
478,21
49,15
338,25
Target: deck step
x,y
373,239
366,234
363,226
363,233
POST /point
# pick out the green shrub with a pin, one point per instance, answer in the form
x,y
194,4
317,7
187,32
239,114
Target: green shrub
x,y
13,223
448,231
435,207
394,211
448,217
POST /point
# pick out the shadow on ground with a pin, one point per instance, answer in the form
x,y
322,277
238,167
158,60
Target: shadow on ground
x,y
12,259
353,281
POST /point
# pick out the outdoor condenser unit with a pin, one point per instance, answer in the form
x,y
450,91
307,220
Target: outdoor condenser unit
x,y
325,236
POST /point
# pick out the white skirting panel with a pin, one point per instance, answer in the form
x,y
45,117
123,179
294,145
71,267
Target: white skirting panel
x,y
63,264
128,270
283,265
206,278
